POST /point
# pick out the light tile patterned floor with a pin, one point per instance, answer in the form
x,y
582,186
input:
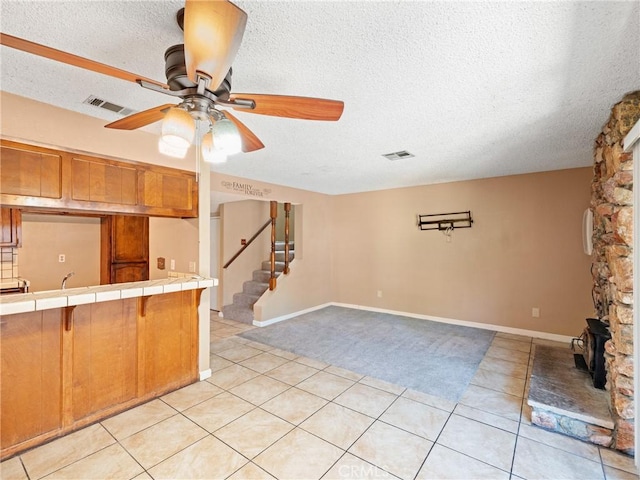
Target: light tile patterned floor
x,y
266,414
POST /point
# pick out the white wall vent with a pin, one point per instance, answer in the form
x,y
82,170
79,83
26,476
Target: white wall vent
x,y
398,155
100,103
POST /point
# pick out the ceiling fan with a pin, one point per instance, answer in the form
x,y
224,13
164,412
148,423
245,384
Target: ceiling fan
x,y
199,74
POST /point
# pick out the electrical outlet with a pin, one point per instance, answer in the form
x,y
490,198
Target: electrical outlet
x,y
535,312
379,294
192,267
173,264
62,258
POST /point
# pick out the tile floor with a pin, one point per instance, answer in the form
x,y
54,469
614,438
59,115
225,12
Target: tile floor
x,y
266,413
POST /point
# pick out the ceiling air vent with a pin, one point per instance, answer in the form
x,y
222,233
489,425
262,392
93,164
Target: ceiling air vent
x,y
112,107
398,155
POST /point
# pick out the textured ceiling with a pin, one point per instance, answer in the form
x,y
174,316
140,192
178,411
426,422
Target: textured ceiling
x,y
472,89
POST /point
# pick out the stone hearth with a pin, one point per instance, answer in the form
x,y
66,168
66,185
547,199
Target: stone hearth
x,y
564,400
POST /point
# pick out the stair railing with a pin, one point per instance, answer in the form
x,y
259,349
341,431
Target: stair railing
x,y
273,214
249,242
287,212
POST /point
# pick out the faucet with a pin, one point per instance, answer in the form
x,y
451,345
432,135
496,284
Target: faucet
x,y
66,277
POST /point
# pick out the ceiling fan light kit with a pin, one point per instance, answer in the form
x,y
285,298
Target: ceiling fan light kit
x,y
178,128
209,152
226,137
199,74
170,150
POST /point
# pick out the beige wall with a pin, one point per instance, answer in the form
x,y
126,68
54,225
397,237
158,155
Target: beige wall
x,y
523,251
172,238
47,236
241,220
44,237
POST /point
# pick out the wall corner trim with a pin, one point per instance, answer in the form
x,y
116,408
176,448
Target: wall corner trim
x,y
632,137
205,374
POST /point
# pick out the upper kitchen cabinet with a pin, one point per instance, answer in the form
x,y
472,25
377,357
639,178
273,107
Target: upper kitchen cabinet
x,y
47,179
30,172
11,227
100,181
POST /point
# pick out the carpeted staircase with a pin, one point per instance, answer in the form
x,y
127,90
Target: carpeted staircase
x,y
241,309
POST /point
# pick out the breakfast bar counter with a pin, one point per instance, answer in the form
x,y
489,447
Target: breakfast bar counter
x,y
75,356
29,302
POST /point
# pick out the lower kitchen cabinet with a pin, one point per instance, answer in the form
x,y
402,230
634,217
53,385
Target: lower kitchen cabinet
x,y
169,333
64,368
105,348
30,376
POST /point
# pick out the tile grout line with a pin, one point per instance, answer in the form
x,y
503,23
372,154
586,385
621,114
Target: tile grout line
x,y
515,445
346,450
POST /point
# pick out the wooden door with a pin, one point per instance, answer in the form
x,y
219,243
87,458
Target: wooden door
x,y
124,249
30,376
168,344
104,363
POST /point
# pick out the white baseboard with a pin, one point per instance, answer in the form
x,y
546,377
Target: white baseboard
x,y
289,315
485,326
205,374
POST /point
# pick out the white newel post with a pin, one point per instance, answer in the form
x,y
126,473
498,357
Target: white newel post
x,y
632,144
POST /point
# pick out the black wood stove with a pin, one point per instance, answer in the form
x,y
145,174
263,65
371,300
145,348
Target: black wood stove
x,y
591,359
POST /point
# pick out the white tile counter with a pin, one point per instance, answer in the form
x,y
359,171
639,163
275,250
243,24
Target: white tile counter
x,y
30,302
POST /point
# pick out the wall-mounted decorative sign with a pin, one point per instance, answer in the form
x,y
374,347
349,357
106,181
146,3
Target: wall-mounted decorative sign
x,y
445,221
245,189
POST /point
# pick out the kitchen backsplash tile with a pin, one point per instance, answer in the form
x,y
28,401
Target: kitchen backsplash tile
x,y
9,262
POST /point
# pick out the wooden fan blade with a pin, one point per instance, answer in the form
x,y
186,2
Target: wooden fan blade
x,y
306,108
71,59
213,32
141,119
250,142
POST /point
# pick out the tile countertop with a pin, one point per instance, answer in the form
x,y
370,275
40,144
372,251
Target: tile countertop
x,y
11,282
30,302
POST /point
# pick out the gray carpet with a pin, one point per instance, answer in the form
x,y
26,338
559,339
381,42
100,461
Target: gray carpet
x,y
431,357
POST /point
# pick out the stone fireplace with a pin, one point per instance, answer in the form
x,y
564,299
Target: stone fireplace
x,y
612,260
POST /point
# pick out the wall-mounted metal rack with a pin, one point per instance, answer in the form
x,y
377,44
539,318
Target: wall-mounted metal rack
x,y
445,221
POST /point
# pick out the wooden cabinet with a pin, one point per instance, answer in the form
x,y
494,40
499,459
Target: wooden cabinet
x,y
11,223
30,376
165,190
124,249
98,180
65,368
170,324
103,365
29,171
50,179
